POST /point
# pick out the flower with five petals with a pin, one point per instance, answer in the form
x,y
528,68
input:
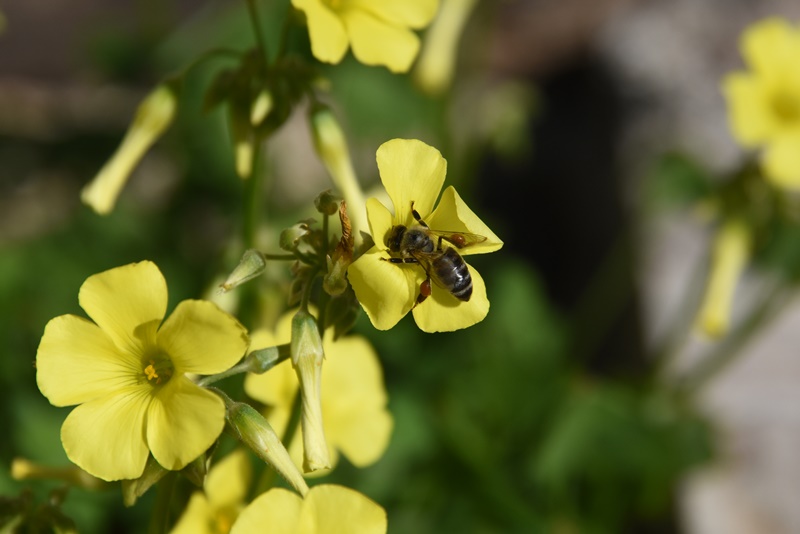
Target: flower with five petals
x,y
412,171
126,371
378,30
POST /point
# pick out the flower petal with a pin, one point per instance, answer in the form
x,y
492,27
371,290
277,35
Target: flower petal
x,y
442,312
379,42
201,338
106,437
354,400
331,509
127,302
327,33
196,518
411,170
278,508
386,291
752,120
452,214
228,481
781,161
412,13
380,222
183,421
77,362
770,45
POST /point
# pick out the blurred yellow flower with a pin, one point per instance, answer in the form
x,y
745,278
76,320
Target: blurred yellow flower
x,y
764,102
214,510
127,374
153,117
327,509
378,30
353,398
412,171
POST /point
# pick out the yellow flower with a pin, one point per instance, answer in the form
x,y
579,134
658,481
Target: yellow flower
x,y
412,171
153,117
214,510
353,398
764,102
378,30
127,374
327,509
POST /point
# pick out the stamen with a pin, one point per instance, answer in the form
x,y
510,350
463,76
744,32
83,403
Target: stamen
x,y
158,369
150,371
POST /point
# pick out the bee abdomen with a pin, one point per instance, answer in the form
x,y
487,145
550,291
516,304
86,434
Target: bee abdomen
x,y
454,274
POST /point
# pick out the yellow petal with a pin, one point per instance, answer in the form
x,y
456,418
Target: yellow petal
x,y
279,509
201,338
328,38
105,436
127,302
411,170
354,400
751,119
412,13
380,222
386,291
770,45
442,312
375,42
452,214
182,422
332,509
77,362
197,518
229,480
781,162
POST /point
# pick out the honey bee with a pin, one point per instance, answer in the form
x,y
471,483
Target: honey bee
x,y
435,251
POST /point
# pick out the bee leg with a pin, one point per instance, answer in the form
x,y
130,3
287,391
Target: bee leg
x,y
424,291
418,217
400,260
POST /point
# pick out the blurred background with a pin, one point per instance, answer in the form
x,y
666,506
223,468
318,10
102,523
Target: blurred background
x,y
545,417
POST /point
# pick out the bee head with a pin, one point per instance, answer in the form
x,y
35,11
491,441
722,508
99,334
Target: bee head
x,y
394,237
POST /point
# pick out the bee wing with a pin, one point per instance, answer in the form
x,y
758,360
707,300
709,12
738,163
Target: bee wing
x,y
458,239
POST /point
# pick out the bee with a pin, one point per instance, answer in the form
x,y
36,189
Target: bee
x,y
435,251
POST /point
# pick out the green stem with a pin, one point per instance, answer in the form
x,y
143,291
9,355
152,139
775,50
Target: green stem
x,y
280,257
729,350
160,518
256,22
252,199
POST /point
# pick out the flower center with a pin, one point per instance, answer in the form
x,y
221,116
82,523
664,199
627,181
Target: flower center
x,y
786,107
157,369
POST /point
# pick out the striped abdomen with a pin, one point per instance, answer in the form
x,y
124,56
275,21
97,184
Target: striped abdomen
x,y
451,272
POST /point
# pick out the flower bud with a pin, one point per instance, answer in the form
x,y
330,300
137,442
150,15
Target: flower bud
x,y
436,63
262,360
252,429
307,357
242,137
331,146
153,116
250,266
261,107
327,203
291,236
335,280
24,469
731,250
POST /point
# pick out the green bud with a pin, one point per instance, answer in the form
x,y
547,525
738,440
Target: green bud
x,y
252,429
252,264
23,469
133,489
307,358
242,136
327,203
262,360
290,237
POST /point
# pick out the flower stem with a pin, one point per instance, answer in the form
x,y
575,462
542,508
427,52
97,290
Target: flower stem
x,y
256,21
160,516
730,349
